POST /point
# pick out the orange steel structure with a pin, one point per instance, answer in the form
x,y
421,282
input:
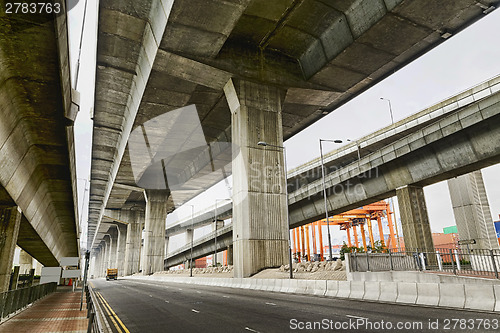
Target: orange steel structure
x,y
347,221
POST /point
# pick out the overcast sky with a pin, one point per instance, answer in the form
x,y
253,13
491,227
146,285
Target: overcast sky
x,y
464,60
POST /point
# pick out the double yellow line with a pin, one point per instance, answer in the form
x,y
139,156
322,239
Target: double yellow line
x,y
120,327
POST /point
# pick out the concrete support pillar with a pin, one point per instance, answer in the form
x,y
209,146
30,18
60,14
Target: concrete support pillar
x,y
154,231
10,220
230,255
113,232
260,223
414,219
472,210
38,268
107,250
25,262
120,248
133,241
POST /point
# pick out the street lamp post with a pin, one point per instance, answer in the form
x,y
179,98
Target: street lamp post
x,y
215,251
390,108
324,195
192,238
263,143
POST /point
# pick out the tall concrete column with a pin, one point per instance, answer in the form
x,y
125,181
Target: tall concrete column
x,y
25,262
414,219
472,210
230,255
113,232
38,268
154,231
260,223
120,251
133,242
10,220
107,250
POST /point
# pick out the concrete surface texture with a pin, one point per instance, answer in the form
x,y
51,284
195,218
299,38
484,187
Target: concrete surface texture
x,y
157,56
10,220
472,210
414,218
36,133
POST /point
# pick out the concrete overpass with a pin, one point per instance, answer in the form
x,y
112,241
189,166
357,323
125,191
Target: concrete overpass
x,y
451,138
38,196
255,72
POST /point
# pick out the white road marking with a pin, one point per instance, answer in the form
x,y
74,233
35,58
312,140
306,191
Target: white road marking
x,y
270,303
167,302
196,311
150,295
180,289
251,330
225,296
364,318
199,292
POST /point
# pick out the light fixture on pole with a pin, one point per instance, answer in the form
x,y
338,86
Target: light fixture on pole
x,y
192,238
324,195
265,144
390,108
216,220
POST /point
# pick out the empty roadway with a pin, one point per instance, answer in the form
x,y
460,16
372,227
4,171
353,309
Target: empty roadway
x,y
172,307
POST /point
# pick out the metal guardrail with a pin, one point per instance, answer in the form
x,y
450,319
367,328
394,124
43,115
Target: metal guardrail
x,y
467,262
97,322
15,300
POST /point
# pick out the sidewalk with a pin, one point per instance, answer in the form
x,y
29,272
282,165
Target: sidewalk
x,y
58,312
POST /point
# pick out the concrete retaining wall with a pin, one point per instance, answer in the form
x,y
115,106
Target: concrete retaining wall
x,y
453,295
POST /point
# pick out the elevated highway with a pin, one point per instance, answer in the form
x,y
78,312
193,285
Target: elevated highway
x,y
38,194
254,72
451,138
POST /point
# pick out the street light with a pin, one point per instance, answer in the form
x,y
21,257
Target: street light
x,y
215,251
265,144
192,238
390,108
324,193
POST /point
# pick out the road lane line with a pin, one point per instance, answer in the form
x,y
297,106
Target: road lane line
x,y
251,330
225,296
125,329
364,318
167,302
196,311
150,295
199,292
110,316
270,303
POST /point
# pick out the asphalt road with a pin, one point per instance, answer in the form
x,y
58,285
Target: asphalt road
x,y
173,307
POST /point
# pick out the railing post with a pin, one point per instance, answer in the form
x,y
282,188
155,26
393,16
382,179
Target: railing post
x,y
458,260
439,260
356,261
91,322
452,262
390,260
494,263
422,260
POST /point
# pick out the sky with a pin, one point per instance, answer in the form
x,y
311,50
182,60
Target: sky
x,y
462,61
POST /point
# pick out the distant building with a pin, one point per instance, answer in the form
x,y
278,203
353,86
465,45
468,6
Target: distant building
x,y
441,241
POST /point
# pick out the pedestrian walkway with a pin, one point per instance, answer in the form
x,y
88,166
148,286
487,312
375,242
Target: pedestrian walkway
x,y
58,312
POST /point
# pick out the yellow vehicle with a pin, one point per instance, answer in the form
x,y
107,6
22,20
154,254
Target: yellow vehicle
x,y
111,274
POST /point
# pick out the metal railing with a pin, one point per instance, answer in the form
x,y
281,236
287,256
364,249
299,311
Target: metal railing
x,y
94,313
467,262
14,300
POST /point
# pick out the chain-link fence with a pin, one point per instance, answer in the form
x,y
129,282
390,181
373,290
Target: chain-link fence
x,y
467,262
